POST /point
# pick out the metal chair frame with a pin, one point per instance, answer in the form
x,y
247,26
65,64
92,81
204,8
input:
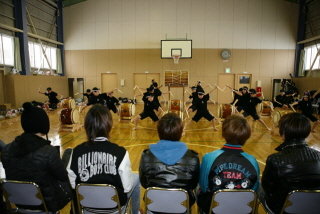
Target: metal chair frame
x,y
252,204
17,209
115,198
288,203
148,201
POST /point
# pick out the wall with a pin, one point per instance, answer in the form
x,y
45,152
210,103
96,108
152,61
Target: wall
x,y
123,37
307,83
20,88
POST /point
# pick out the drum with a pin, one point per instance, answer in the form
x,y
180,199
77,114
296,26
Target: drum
x,y
266,108
3,110
175,106
225,110
68,103
277,114
127,110
69,116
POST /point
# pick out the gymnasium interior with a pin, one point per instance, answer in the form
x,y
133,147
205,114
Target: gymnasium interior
x,y
122,45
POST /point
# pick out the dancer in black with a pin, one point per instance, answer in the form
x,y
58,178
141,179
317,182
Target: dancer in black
x,y
250,108
112,102
202,109
305,106
96,97
194,97
148,110
88,94
53,100
242,99
280,100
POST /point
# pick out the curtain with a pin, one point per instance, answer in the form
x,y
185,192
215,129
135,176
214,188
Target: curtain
x,y
17,59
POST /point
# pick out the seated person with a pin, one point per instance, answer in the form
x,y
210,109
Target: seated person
x,y
114,168
53,100
30,157
169,163
230,167
294,167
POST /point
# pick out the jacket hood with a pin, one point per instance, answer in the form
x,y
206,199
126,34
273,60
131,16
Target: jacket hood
x,y
169,152
291,143
26,143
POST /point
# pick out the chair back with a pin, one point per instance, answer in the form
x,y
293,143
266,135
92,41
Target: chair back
x,y
233,201
302,201
166,200
94,197
23,193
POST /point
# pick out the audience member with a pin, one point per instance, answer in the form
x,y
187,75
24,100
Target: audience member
x,y
294,166
169,163
229,167
30,157
99,161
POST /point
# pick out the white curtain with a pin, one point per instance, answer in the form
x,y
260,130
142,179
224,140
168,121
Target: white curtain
x,y
17,59
59,62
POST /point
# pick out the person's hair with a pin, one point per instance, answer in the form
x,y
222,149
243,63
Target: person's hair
x,y
236,130
98,122
49,89
88,90
294,126
170,127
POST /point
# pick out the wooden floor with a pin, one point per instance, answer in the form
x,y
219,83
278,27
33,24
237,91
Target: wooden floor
x,y
198,136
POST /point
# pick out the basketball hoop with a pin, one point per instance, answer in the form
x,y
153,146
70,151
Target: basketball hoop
x,y
176,59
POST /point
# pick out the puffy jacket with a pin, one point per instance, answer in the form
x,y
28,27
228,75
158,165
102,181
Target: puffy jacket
x,y
183,174
31,158
294,167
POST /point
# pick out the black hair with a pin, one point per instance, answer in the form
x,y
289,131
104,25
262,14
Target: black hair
x,y
294,126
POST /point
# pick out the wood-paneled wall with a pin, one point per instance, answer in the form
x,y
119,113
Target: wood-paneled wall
x,y
205,65
20,88
307,83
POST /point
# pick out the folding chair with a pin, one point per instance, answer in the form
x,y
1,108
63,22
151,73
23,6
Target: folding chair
x,y
234,201
166,200
302,202
24,194
99,198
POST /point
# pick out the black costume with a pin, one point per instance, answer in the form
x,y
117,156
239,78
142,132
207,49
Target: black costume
x,y
202,109
194,97
306,108
53,100
282,99
243,101
250,108
148,109
100,99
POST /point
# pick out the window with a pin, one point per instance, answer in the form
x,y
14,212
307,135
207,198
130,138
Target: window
x,y
310,53
6,50
37,58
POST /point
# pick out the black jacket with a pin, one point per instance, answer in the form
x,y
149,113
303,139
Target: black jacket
x,y
31,158
184,174
294,167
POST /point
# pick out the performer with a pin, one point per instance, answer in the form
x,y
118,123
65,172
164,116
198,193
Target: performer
x,y
96,97
148,110
202,109
194,97
243,98
88,94
280,100
236,97
305,106
112,102
250,108
53,100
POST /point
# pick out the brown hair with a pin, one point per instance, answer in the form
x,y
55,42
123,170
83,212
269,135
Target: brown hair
x,y
98,122
294,126
236,130
170,127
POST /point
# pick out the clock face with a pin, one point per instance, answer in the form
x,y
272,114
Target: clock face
x,y
225,54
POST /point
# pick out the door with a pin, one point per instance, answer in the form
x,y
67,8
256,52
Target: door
x,y
225,96
108,82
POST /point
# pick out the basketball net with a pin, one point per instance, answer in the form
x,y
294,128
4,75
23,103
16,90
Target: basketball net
x,y
176,59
